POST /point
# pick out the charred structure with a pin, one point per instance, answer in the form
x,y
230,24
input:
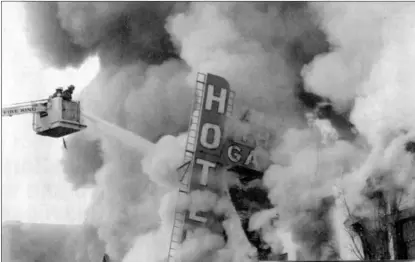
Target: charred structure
x,y
391,233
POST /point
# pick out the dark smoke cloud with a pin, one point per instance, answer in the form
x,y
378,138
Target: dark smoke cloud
x,y
65,33
51,42
314,232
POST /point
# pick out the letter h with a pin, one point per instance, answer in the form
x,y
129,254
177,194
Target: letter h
x,y
220,99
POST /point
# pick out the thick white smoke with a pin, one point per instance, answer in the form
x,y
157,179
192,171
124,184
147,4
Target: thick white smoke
x,y
144,102
369,66
212,38
368,71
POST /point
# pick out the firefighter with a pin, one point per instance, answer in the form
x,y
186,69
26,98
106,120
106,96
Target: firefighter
x,y
67,94
58,92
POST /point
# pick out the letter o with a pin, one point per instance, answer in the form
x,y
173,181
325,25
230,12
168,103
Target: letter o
x,y
216,136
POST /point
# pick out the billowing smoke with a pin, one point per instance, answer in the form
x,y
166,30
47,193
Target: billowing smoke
x,y
65,33
130,90
150,53
367,74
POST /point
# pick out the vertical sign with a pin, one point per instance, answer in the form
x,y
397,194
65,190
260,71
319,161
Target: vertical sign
x,y
216,104
207,149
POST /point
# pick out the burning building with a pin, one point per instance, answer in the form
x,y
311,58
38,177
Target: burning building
x,y
390,233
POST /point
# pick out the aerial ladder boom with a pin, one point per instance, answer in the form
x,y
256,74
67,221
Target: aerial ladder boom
x,y
25,108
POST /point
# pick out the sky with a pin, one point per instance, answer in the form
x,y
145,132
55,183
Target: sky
x,y
33,184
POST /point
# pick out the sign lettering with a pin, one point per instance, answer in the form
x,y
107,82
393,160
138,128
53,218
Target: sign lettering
x,y
234,154
250,159
221,100
205,170
238,154
19,110
215,137
211,149
210,140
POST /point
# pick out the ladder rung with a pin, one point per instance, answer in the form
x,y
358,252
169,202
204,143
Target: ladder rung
x,y
178,226
200,85
172,254
174,246
185,179
188,155
184,187
176,238
179,218
181,190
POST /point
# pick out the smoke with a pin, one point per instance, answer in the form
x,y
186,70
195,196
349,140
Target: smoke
x,y
46,242
367,69
154,245
84,173
245,43
149,54
48,38
301,187
144,88
367,74
162,162
66,33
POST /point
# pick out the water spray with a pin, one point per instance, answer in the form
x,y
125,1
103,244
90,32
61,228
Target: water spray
x,y
127,137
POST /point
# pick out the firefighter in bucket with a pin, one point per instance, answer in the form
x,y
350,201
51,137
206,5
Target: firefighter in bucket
x,y
67,94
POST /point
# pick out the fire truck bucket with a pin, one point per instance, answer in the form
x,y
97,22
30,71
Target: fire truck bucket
x,y
61,118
